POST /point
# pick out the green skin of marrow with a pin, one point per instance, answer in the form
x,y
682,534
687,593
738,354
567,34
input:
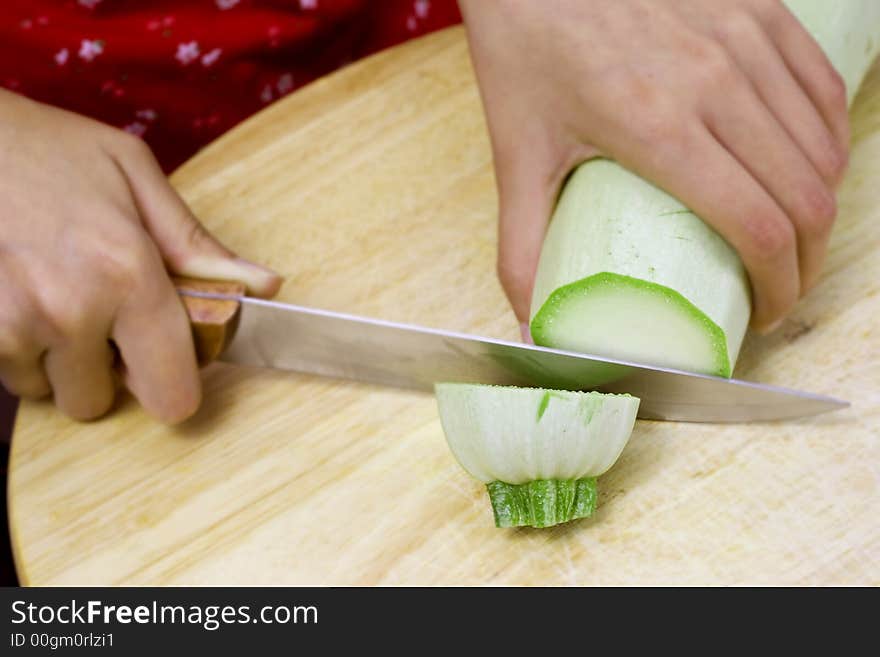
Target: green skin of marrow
x,y
542,503
555,301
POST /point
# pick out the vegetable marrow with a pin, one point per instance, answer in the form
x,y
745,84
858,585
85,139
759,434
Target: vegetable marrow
x,y
538,451
628,272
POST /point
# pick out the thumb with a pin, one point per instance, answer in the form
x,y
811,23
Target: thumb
x,y
526,192
187,247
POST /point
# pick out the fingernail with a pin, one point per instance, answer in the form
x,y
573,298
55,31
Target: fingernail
x,y
259,280
767,330
267,281
526,333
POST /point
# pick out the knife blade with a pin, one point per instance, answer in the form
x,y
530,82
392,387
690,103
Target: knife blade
x,y
270,334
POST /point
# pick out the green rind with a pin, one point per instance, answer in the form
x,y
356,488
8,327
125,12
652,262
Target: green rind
x,y
545,402
556,301
542,503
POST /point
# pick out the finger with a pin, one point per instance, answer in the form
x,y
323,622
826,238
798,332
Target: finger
x,y
755,53
81,376
695,168
155,343
527,187
186,246
750,132
24,377
813,70
21,348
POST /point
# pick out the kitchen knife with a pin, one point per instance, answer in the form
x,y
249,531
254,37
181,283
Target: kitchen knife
x,y
234,328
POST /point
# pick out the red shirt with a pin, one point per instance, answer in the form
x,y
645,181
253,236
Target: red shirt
x,y
181,72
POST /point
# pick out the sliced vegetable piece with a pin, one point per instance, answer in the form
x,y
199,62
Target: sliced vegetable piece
x,y
538,451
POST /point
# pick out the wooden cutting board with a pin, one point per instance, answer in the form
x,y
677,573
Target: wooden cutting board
x,y
372,190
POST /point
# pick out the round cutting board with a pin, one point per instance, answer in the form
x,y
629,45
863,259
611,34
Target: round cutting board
x,y
372,191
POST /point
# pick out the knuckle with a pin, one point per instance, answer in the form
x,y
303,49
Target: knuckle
x,y
63,313
833,162
632,91
125,258
768,9
775,16
769,236
68,317
105,270
131,145
818,209
715,68
660,120
658,127
835,89
640,93
738,26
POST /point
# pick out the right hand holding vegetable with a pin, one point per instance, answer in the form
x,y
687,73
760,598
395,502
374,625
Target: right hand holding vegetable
x,y
89,229
729,105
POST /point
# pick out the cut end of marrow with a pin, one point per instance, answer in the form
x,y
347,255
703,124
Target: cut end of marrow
x,y
632,319
542,503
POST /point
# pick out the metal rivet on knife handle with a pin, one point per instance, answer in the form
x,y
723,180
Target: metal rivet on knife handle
x,y
214,321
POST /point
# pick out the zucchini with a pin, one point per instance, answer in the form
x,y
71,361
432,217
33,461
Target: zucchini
x,y
538,451
628,272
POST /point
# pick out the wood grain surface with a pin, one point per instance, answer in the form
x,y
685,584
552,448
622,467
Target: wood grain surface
x,y
372,191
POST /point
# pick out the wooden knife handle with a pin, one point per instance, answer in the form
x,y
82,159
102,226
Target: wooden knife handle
x,y
213,321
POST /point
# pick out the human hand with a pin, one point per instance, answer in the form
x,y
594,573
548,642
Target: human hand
x,y
89,229
728,105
